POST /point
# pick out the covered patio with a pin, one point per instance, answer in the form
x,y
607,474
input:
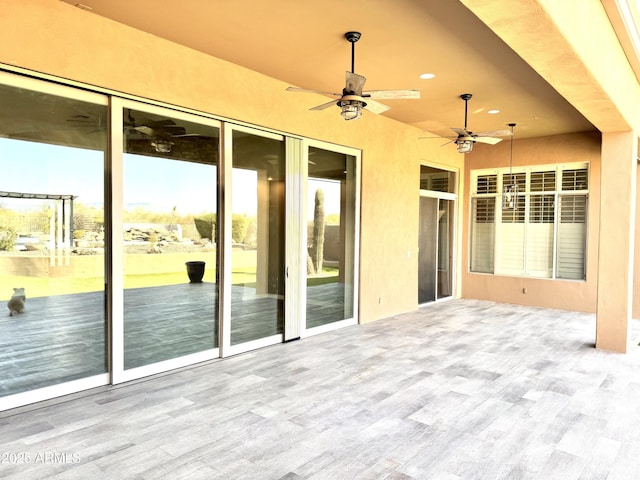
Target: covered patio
x,y
463,389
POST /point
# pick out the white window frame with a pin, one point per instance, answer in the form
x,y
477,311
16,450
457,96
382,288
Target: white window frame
x,y
528,268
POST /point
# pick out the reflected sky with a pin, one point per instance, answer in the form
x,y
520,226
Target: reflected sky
x,y
151,183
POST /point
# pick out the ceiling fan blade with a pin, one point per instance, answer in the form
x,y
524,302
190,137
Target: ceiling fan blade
x,y
375,107
495,133
165,122
392,94
450,141
172,130
355,83
192,135
144,129
324,105
489,140
305,90
169,130
439,137
461,132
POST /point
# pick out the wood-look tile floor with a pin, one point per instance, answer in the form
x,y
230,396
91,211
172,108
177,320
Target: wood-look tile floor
x,y
462,389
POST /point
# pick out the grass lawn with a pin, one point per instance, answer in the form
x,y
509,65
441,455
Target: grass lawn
x,y
43,286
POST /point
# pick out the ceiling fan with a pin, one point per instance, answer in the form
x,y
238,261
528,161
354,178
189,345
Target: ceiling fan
x,y
352,99
466,138
160,133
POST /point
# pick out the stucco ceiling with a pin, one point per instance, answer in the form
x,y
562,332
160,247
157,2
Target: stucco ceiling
x,y
302,43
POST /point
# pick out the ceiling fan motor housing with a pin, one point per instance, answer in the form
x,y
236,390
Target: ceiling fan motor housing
x,y
352,36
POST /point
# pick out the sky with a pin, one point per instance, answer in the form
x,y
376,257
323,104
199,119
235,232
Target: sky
x,y
149,182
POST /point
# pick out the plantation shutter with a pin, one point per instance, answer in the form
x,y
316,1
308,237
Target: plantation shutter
x,y
483,213
540,236
572,225
572,237
512,240
544,235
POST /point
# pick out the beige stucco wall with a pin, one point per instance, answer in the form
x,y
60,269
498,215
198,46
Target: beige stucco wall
x,y
562,294
56,38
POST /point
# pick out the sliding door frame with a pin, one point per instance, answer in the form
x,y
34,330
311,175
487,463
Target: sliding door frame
x,y
225,209
354,319
44,393
116,179
454,215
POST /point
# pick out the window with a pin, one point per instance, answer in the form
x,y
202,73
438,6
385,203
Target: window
x,y
436,180
544,234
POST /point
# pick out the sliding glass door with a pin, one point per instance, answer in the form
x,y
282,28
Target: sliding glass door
x,y
332,225
53,330
135,239
167,238
255,241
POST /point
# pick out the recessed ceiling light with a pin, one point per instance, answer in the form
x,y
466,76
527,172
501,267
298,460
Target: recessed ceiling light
x,y
493,112
427,76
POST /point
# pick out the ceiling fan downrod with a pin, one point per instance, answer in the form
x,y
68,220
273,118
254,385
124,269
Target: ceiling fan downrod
x,y
353,37
466,97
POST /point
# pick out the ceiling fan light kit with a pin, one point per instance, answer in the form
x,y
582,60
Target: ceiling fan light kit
x,y
351,109
351,100
161,145
464,146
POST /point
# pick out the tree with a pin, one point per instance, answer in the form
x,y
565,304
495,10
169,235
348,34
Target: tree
x,y
317,245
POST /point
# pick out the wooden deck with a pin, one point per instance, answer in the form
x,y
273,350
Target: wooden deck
x,y
62,338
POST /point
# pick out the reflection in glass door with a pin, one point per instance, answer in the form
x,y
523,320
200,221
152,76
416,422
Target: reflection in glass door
x,y
255,235
52,248
331,237
169,235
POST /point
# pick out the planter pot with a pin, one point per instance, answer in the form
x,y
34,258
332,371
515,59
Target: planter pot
x,y
195,271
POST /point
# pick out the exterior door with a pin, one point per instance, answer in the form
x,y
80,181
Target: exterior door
x,y
436,232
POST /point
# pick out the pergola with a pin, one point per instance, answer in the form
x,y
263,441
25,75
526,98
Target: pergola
x,y
63,233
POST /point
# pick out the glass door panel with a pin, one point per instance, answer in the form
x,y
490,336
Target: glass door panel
x,y
332,225
427,249
169,236
52,253
257,237
445,257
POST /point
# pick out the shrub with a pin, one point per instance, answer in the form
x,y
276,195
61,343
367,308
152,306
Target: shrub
x,y
8,238
206,226
239,224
